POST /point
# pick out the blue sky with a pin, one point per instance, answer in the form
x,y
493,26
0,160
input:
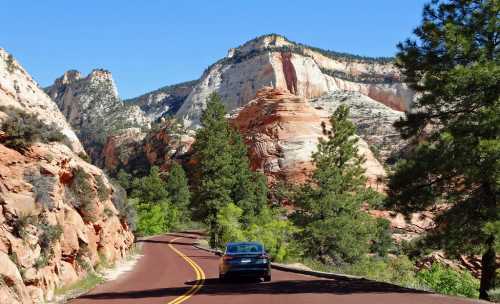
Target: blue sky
x,y
151,43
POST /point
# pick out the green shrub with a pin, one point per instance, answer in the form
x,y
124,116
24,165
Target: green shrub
x,y
126,210
20,225
43,186
276,233
23,129
102,190
445,280
228,219
83,194
494,295
155,218
10,64
84,156
49,235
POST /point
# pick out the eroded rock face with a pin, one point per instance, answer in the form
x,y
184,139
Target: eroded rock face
x,y
282,131
135,150
163,102
88,224
57,218
374,121
274,61
93,108
19,90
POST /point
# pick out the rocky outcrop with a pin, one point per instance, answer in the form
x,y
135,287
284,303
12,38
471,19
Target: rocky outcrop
x,y
282,131
308,72
58,214
19,90
57,221
163,102
135,150
93,108
374,121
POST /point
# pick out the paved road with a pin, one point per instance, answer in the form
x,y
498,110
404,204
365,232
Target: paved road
x,y
173,271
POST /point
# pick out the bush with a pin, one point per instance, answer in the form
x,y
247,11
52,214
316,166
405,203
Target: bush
x,y
276,234
155,219
83,193
102,190
228,219
445,280
126,210
43,186
494,295
49,235
23,129
19,227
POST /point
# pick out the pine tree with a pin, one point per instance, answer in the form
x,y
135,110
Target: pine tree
x,y
455,124
330,205
222,174
178,189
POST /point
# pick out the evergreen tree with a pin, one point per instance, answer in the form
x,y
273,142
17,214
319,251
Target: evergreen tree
x,y
214,171
178,189
330,205
455,124
222,174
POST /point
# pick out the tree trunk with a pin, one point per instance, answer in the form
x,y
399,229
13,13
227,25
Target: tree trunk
x,y
488,272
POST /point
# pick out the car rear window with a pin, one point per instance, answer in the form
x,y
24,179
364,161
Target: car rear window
x,y
244,248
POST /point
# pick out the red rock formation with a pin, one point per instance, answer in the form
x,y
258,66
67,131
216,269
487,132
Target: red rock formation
x,y
282,132
289,71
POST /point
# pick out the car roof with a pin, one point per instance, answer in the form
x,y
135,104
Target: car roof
x,y
244,243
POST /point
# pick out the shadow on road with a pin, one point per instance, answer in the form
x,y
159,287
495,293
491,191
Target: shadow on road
x,y
164,242
213,286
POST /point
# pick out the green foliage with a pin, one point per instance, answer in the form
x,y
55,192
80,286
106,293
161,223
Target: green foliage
x,y
20,225
23,129
494,295
455,126
83,194
124,179
126,210
155,218
335,229
178,189
276,233
222,175
155,211
102,190
10,63
382,241
43,186
445,280
49,235
228,219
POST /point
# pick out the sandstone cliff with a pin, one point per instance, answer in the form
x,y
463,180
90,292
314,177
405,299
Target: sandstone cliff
x,y
60,216
19,90
93,108
274,61
282,131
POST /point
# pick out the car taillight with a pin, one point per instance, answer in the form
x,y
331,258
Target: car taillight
x,y
227,257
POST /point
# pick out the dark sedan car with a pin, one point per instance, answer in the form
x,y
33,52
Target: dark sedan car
x,y
245,259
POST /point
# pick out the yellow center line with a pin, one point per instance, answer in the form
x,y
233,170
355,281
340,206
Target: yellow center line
x,y
200,276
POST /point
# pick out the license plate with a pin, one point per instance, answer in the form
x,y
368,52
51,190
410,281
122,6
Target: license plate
x,y
246,260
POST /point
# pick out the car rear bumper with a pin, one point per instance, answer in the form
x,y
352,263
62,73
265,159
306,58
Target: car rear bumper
x,y
248,271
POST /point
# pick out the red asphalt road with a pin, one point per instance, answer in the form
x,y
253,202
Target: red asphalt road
x,y
162,276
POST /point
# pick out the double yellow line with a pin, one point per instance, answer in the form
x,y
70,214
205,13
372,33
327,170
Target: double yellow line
x,y
200,276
